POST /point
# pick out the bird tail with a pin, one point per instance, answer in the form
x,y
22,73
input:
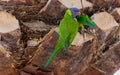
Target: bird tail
x,y
57,49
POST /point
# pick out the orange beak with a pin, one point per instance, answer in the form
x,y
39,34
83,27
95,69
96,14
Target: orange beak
x,y
79,13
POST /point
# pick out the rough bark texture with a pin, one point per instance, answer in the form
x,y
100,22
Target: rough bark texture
x,y
76,62
10,41
35,30
53,11
116,14
50,11
96,52
80,56
110,59
9,31
24,10
107,28
106,3
6,63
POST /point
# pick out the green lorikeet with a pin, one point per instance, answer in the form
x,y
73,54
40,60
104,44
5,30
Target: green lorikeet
x,y
67,31
84,21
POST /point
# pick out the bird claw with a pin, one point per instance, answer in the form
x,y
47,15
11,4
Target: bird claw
x,y
88,32
66,53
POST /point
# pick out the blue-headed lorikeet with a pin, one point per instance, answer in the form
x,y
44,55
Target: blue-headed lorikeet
x,y
68,29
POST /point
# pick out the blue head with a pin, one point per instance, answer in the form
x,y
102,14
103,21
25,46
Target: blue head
x,y
75,12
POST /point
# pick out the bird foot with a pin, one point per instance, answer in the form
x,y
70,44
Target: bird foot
x,y
66,53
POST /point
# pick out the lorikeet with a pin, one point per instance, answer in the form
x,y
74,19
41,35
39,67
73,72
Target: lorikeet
x,y
67,31
85,21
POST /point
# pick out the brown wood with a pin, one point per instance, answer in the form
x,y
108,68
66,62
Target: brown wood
x,y
109,62
6,62
75,62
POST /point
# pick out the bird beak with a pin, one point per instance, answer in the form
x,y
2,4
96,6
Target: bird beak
x,y
79,13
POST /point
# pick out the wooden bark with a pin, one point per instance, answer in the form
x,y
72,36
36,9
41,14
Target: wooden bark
x,y
28,2
116,14
80,58
9,36
24,10
6,63
96,54
110,59
117,2
50,11
106,3
76,61
54,10
33,29
9,31
81,54
107,30
104,60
